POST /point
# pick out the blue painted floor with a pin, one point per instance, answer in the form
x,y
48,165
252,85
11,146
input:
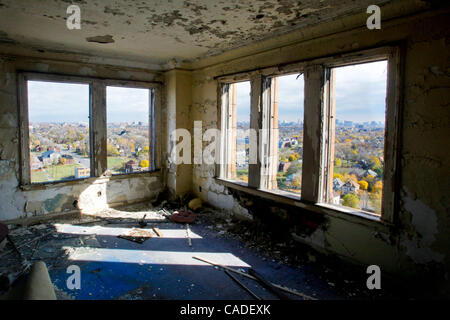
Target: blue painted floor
x,y
163,267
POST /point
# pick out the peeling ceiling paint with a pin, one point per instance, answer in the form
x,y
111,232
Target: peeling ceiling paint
x,y
163,30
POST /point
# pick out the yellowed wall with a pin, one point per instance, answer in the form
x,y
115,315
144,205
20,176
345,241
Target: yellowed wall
x,y
421,238
91,194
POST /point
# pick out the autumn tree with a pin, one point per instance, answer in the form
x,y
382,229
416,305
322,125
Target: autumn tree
x,y
144,164
363,184
351,200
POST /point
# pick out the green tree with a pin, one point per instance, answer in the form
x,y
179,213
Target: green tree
x,y
351,200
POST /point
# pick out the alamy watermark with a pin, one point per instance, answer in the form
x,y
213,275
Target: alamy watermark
x,y
374,280
374,20
74,280
74,20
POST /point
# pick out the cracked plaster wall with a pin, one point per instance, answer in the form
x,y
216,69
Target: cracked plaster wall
x,y
90,195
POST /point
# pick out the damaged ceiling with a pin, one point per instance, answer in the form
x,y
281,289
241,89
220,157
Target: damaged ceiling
x,y
161,31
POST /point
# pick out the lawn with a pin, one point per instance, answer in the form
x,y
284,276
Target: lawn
x,y
62,172
116,162
38,176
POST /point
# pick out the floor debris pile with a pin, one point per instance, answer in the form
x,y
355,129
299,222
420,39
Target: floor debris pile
x,y
140,252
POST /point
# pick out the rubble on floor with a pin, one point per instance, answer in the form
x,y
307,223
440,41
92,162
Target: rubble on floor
x,y
94,238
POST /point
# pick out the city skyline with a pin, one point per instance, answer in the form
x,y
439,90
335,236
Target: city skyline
x,y
360,94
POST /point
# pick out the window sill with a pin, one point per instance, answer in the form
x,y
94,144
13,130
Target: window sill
x,y
343,213
90,180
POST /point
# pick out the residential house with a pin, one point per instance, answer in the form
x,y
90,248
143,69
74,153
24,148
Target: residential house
x,y
35,163
337,184
131,166
350,187
50,157
69,158
283,166
81,173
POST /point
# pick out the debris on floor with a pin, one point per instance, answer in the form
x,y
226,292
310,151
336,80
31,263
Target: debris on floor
x,y
183,216
157,231
195,204
136,235
139,252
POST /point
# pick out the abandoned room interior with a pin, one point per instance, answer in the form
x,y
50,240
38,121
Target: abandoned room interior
x,y
224,150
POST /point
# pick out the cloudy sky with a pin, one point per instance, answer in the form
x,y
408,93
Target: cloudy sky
x,y
63,102
360,94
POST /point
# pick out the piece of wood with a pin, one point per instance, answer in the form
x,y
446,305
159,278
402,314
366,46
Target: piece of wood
x,y
188,235
242,285
294,292
26,243
268,285
14,247
158,232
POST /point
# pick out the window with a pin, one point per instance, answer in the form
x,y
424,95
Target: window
x,y
356,144
59,133
63,117
286,106
128,131
238,131
329,134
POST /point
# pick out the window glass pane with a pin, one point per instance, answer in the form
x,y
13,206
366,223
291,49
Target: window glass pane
x,y
128,143
360,98
240,110
287,105
59,131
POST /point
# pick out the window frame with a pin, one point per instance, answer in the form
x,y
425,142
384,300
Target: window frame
x,y
316,130
151,115
97,123
268,114
391,135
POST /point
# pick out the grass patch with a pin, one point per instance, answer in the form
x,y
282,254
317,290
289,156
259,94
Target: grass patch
x,y
116,162
38,176
62,172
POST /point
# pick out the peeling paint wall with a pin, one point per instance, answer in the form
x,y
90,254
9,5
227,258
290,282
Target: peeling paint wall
x,y
88,195
420,240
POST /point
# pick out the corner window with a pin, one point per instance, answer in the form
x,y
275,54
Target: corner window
x,y
59,132
63,117
329,134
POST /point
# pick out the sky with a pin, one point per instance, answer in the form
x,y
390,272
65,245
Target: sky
x,y
58,102
127,104
360,94
67,102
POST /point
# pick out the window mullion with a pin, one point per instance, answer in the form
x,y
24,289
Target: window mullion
x,y
313,133
98,128
254,175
